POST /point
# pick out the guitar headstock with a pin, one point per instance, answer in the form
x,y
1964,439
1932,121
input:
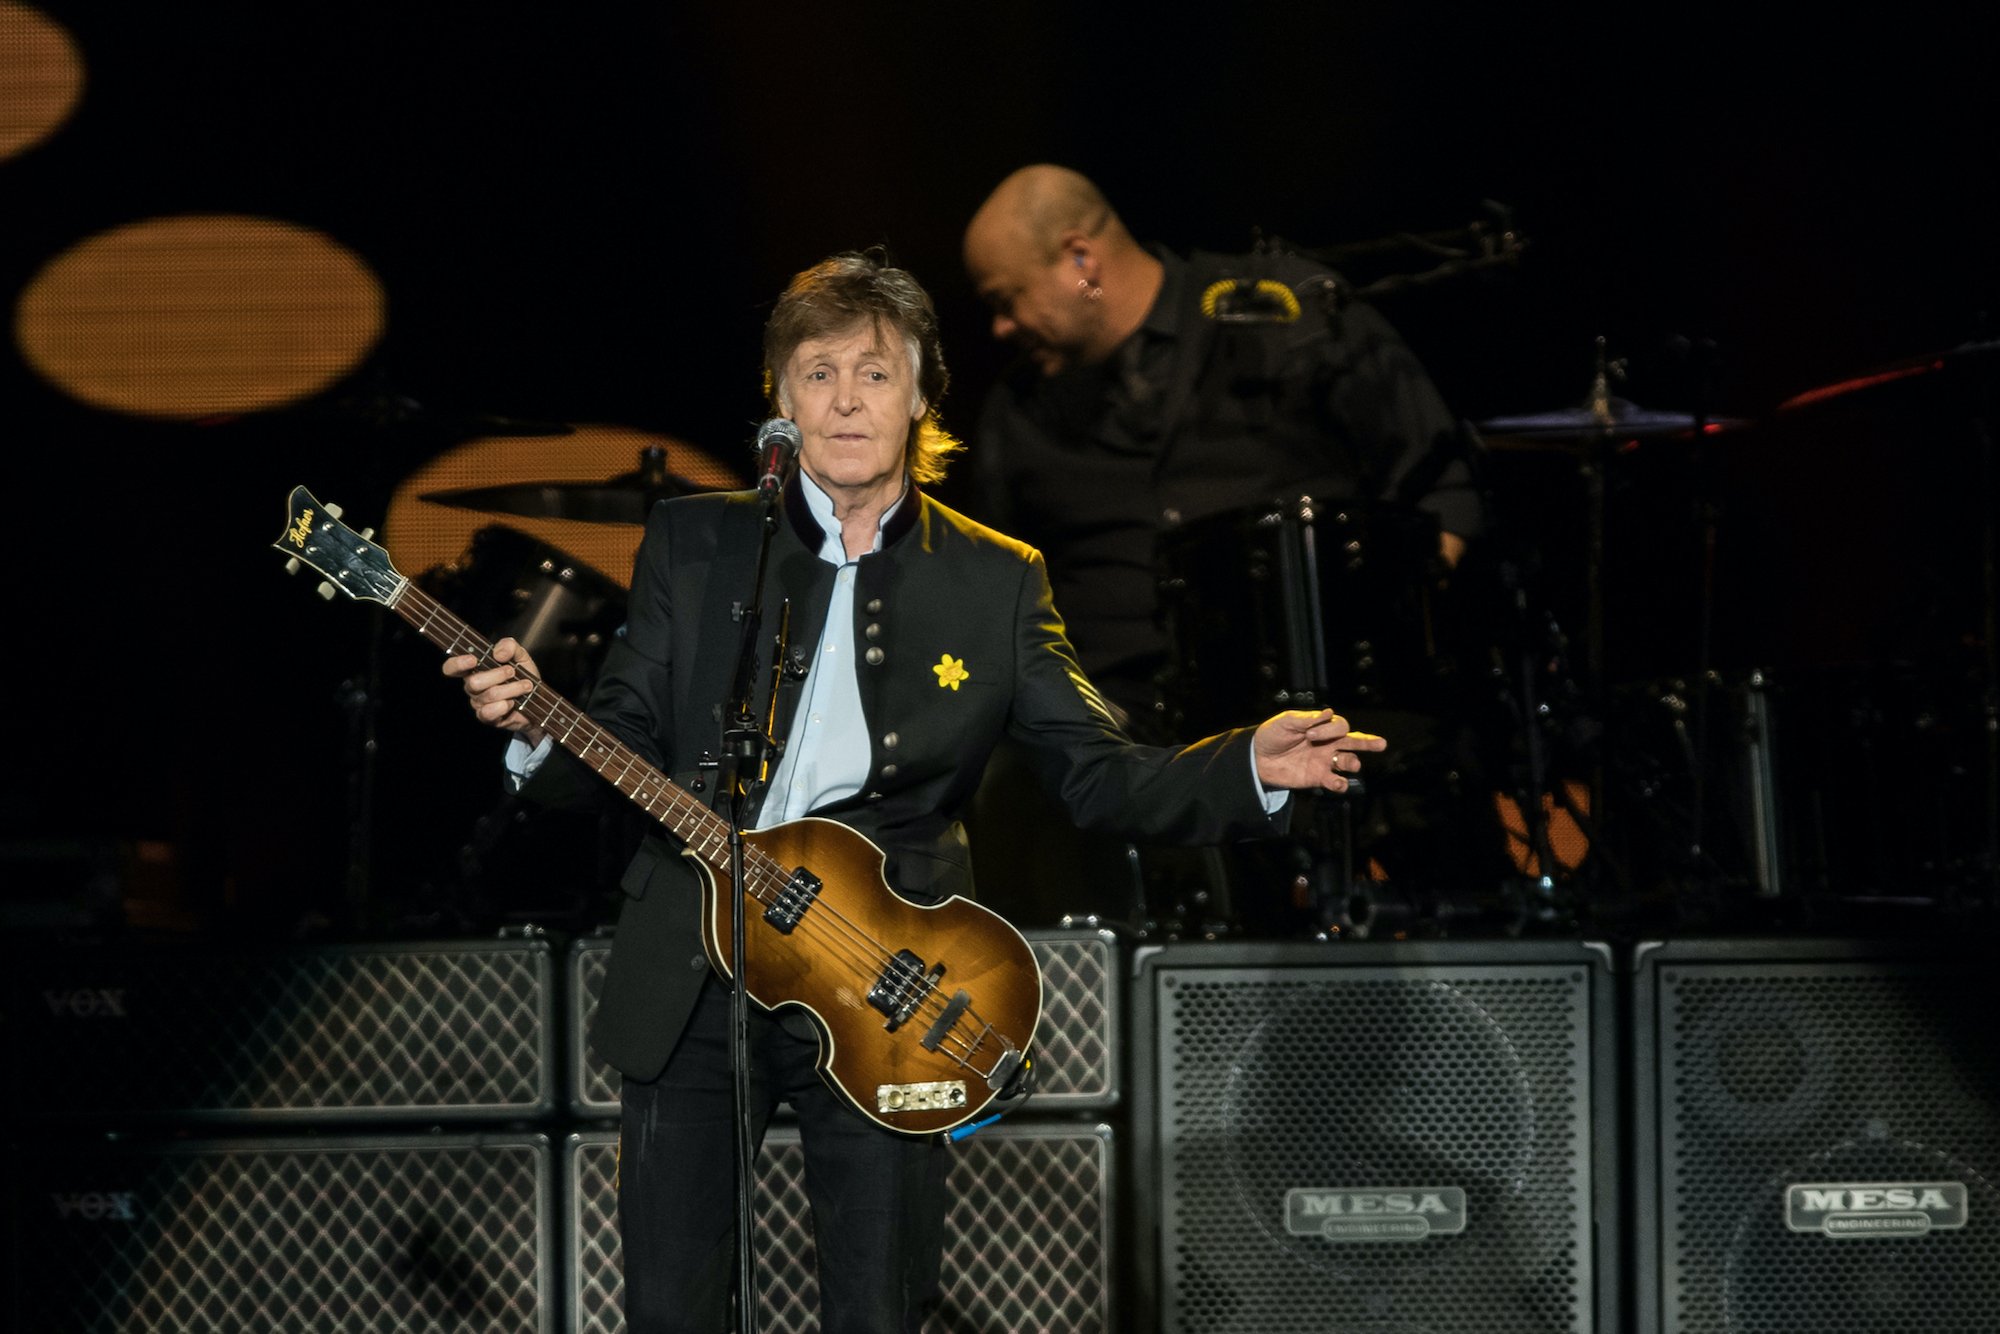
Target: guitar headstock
x,y
315,536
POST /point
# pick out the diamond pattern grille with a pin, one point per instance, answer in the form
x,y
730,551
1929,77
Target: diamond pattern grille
x,y
438,1234
1359,1077
1780,1074
1027,1241
329,1034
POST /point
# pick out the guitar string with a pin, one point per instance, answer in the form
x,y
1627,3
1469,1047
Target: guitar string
x,y
428,615
760,867
767,879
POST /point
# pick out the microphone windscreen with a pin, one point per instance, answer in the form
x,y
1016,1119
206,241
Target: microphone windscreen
x,y
784,431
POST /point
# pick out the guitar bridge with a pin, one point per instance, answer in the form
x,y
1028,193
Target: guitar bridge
x,y
902,987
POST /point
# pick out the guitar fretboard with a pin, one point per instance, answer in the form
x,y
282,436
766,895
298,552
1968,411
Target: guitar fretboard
x,y
700,828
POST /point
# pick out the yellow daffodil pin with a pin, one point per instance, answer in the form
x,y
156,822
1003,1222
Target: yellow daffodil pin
x,y
950,671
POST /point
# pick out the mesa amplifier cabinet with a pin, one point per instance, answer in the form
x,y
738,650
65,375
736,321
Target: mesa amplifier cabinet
x,y
1375,1138
1077,1049
1817,1137
458,1030
350,1235
1029,1241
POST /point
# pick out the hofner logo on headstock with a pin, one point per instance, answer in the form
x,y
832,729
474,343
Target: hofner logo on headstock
x,y
302,529
1875,1208
1386,1213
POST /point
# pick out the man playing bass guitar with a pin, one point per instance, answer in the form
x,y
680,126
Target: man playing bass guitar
x,y
918,639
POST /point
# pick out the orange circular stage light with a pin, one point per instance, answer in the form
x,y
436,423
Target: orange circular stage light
x,y
199,315
41,77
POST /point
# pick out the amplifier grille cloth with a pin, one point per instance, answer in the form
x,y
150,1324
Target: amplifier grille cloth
x,y
440,1234
1357,1077
326,1034
1832,1072
1026,1241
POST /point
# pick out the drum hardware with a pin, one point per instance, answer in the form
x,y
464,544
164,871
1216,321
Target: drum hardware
x,y
1978,356
626,498
1313,601
1602,426
1488,242
560,609
1916,597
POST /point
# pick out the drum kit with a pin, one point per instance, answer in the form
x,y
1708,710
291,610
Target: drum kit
x,y
1711,670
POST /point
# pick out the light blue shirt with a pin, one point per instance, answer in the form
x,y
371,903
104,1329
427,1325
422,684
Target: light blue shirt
x,y
826,757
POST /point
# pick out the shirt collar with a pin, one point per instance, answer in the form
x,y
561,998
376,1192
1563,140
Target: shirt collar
x,y
811,511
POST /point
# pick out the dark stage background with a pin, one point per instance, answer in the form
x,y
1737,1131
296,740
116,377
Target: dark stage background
x,y
582,213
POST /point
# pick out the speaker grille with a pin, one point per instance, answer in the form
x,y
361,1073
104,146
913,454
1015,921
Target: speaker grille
x,y
336,1033
1349,1081
442,1233
1077,1049
1027,1240
1780,1074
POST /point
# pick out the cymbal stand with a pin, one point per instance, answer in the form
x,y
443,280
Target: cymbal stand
x,y
1530,711
1596,463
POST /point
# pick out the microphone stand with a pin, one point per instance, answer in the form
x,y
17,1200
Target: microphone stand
x,y
746,746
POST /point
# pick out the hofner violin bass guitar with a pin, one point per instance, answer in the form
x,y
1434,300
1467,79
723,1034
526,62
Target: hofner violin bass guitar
x,y
925,1014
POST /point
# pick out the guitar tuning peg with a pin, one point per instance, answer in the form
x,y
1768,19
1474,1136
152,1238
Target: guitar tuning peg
x,y
327,590
292,565
333,511
368,534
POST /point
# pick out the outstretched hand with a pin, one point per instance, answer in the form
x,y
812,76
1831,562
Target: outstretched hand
x,y
1302,750
497,692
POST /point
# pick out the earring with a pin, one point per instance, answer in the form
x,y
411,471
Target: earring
x,y
1090,291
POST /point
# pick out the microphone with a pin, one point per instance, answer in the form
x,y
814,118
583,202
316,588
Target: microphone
x,y
778,443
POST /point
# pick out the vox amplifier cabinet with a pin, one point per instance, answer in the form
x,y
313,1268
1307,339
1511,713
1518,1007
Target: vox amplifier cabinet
x,y
1029,1241
1817,1136
449,1030
347,1235
1077,1050
1364,1138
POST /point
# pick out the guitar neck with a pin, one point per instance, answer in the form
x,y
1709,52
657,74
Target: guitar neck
x,y
701,829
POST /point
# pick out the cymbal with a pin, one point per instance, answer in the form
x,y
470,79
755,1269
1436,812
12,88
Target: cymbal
x,y
1620,420
1951,358
626,498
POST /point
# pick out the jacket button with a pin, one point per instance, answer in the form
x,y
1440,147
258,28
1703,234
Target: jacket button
x,y
874,796
874,631
889,740
874,605
888,771
698,962
874,657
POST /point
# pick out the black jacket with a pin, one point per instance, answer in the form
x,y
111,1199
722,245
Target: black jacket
x,y
941,587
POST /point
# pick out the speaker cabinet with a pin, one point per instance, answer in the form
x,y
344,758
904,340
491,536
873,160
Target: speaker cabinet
x,y
1077,1049
1817,1137
1028,1242
319,1236
311,1035
1374,1138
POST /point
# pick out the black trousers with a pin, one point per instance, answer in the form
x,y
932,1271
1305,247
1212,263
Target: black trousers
x,y
878,1198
